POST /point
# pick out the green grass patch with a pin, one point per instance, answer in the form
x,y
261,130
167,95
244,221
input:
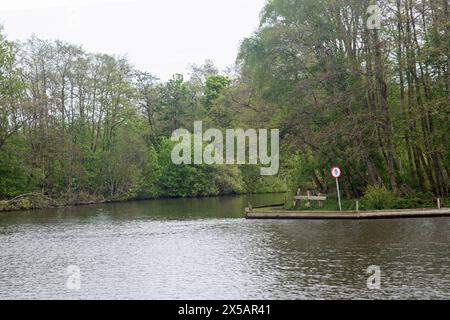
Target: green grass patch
x,y
331,204
378,202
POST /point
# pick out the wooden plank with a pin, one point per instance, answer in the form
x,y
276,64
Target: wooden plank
x,y
332,215
270,206
311,198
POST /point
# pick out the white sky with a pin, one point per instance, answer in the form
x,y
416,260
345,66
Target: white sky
x,y
159,36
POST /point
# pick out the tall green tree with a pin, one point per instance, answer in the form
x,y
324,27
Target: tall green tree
x,y
12,115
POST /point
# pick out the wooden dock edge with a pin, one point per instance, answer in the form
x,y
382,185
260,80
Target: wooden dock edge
x,y
347,215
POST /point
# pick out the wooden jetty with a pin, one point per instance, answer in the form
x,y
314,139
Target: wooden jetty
x,y
277,213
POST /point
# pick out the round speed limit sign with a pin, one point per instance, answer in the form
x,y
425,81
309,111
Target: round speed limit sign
x,y
336,172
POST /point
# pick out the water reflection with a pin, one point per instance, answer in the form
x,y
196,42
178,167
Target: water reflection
x,y
203,249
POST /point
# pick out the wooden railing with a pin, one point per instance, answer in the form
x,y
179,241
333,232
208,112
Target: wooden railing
x,y
309,198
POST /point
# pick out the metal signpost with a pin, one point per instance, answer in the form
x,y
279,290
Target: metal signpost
x,y
336,172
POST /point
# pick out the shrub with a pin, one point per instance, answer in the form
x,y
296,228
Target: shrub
x,y
416,200
379,198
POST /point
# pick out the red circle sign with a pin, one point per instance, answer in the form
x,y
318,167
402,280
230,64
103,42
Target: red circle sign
x,y
336,172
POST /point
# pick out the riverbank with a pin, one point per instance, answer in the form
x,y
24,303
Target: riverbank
x,y
39,202
36,201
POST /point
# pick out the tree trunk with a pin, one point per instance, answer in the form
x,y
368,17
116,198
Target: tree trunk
x,y
387,124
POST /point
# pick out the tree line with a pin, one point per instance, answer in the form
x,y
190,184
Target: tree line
x,y
80,126
374,100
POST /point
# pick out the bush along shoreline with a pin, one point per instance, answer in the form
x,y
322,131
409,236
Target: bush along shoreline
x,y
375,198
37,201
378,199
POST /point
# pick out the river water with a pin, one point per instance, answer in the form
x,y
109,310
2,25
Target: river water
x,y
204,249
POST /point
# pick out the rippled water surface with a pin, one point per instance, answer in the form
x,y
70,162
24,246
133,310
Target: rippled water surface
x,y
204,249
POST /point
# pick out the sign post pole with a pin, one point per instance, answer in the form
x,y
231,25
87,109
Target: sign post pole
x,y
336,172
339,194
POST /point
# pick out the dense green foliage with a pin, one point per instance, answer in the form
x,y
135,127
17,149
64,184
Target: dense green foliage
x,y
379,198
81,126
375,102
78,128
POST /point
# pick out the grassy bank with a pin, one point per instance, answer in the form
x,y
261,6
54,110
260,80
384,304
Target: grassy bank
x,y
373,200
332,204
34,201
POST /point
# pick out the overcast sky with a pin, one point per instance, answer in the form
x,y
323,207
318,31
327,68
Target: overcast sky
x,y
159,36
